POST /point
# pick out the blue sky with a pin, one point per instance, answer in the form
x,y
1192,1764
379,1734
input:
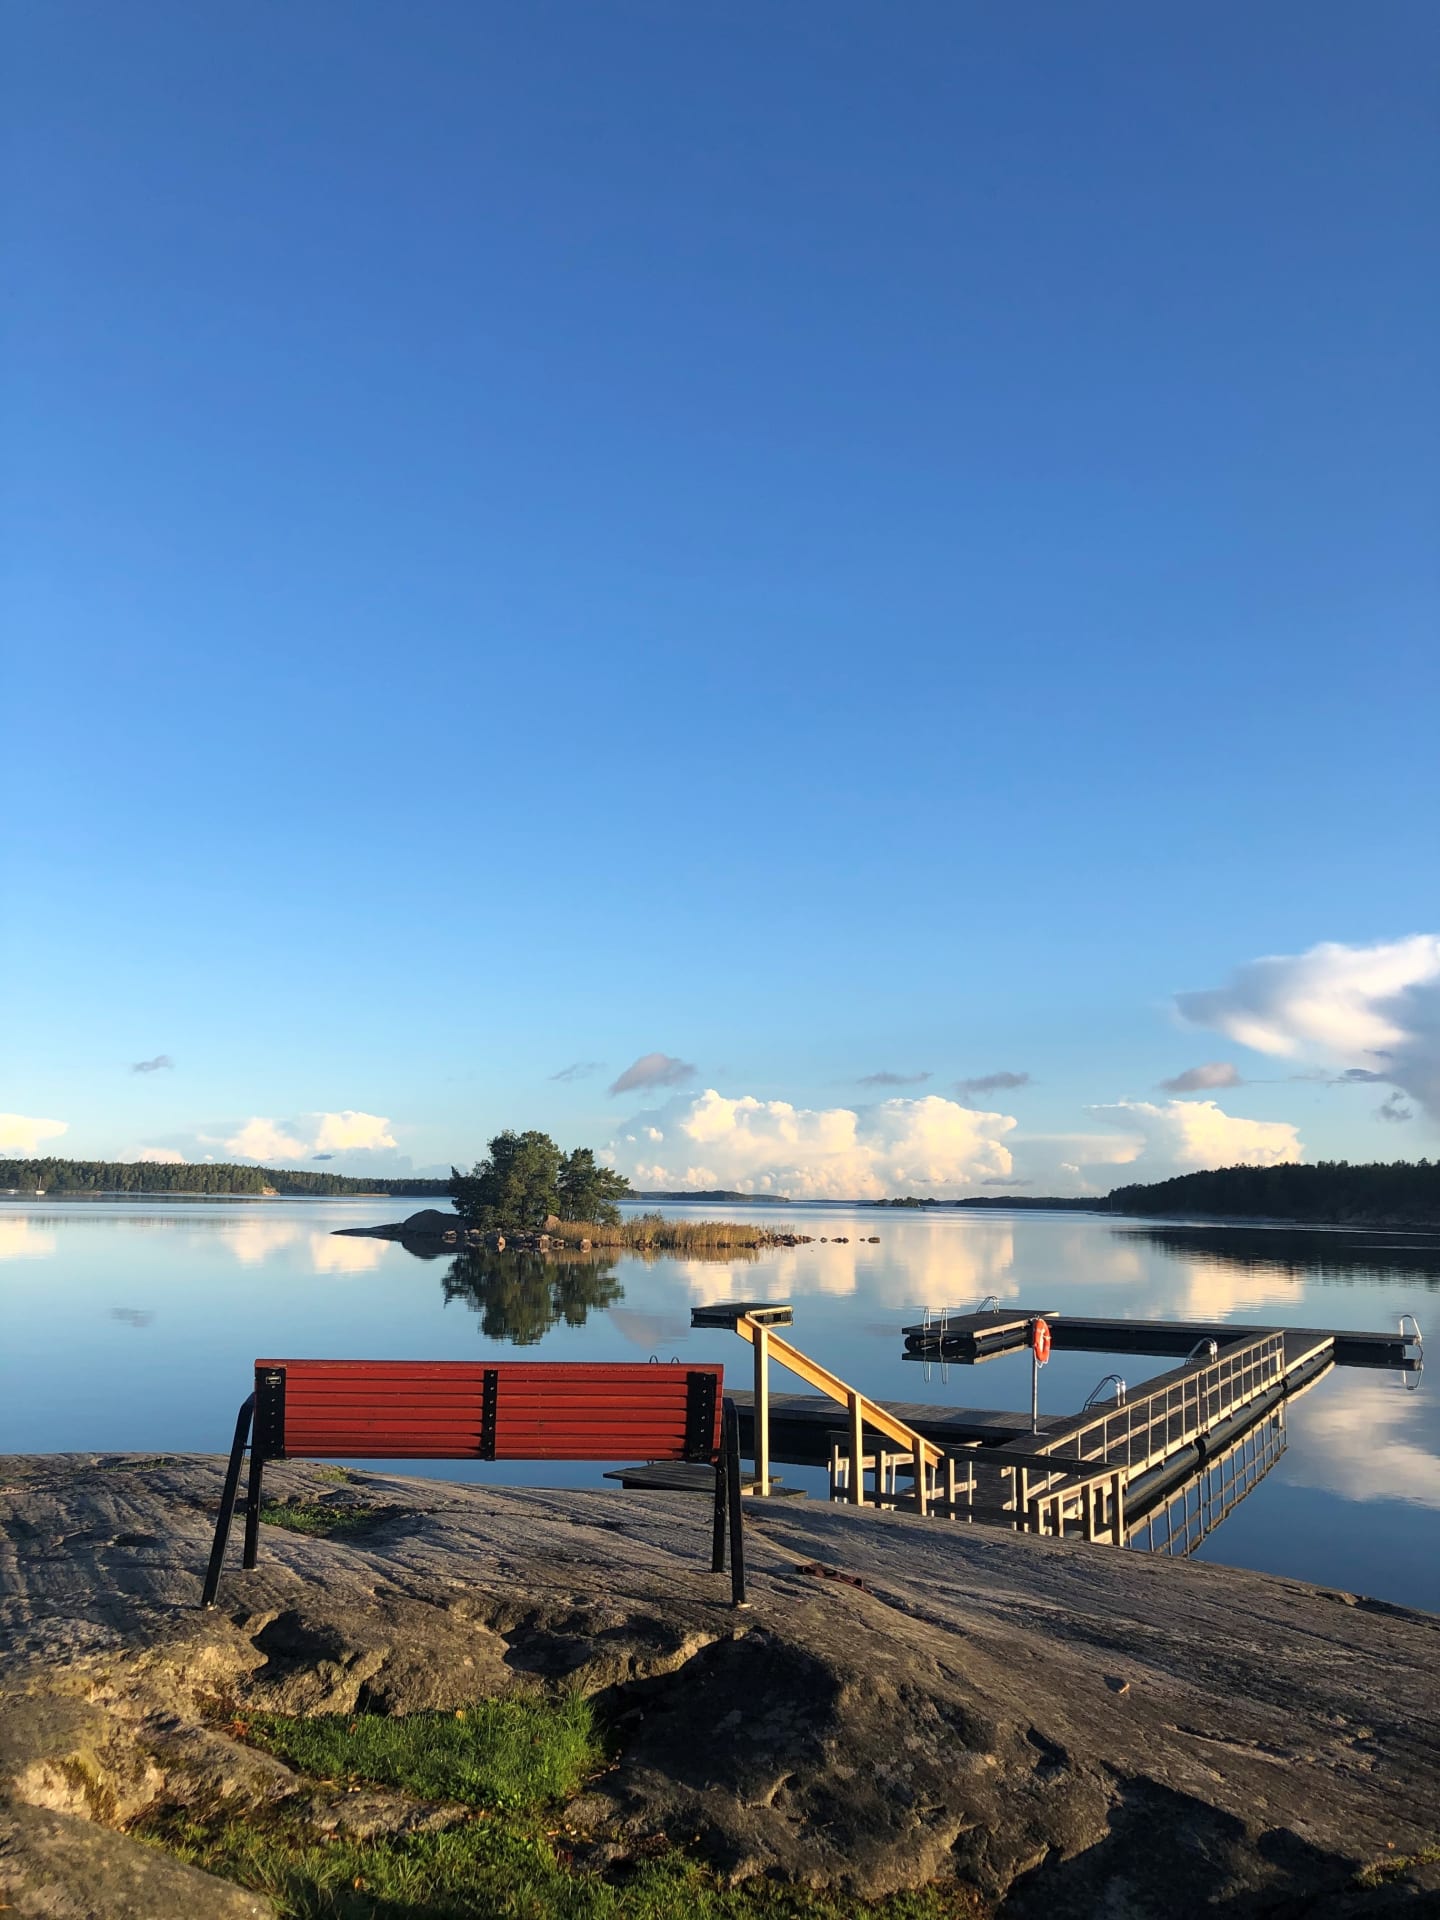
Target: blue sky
x,y
808,542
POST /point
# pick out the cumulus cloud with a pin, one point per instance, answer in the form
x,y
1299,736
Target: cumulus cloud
x,y
346,1132
1371,1010
1214,1073
19,1133
992,1083
887,1079
929,1145
653,1070
160,1061
261,1139
1182,1136
160,1157
338,1132
579,1070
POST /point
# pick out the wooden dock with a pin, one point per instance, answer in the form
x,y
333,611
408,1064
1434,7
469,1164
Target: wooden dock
x,y
1074,1472
801,1424
974,1337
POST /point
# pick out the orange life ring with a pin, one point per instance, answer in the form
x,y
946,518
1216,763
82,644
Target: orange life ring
x,y
1040,1340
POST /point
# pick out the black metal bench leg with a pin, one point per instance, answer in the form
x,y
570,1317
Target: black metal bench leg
x,y
252,1507
732,1490
227,1503
722,1487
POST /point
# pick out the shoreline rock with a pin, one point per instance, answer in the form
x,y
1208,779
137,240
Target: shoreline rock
x,y
1067,1729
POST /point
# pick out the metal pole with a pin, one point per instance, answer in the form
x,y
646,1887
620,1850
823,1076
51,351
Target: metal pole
x,y
1034,1391
762,1410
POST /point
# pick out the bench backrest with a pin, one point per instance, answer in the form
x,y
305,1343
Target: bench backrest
x,y
474,1410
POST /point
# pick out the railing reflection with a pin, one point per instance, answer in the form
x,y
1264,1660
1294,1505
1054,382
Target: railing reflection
x,y
1193,1510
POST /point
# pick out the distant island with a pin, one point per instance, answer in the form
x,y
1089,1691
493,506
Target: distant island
x,y
1010,1201
204,1177
713,1194
1331,1193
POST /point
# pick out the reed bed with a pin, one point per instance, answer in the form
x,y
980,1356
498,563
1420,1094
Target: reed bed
x,y
653,1233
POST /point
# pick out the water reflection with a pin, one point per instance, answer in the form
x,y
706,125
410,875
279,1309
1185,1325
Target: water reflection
x,y
22,1239
520,1296
1371,1439
1185,1517
1351,1503
1300,1254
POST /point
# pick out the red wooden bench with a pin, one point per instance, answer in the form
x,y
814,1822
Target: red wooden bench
x,y
471,1410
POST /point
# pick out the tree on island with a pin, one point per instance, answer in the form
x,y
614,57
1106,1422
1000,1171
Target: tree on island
x,y
525,1179
588,1191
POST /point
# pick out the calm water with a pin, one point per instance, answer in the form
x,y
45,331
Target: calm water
x,y
132,1325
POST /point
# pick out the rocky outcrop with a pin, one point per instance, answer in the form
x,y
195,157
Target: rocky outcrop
x,y
1070,1730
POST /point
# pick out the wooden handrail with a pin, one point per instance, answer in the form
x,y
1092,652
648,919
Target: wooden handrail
x,y
834,1388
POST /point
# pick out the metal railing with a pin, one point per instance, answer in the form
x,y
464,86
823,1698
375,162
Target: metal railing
x,y
1177,1409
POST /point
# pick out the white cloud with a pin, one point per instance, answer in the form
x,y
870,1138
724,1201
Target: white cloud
x,y
1183,1136
264,1140
160,1157
1375,1007
926,1146
21,1134
339,1131
274,1142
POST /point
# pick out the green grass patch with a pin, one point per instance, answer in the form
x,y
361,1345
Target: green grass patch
x,y
325,1519
1393,1865
339,1474
134,1466
494,1869
513,1763
511,1755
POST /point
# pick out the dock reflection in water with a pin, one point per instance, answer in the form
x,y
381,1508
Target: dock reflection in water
x,y
1185,1515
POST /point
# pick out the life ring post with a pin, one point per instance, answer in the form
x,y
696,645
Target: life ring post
x,y
1039,1353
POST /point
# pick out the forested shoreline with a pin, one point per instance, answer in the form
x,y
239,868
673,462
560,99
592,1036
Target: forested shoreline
x,y
147,1176
1329,1193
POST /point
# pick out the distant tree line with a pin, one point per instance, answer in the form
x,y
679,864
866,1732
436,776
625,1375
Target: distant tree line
x,y
146,1176
1331,1192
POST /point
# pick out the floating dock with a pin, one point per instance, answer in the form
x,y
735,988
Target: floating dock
x,y
953,1334
1097,1471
